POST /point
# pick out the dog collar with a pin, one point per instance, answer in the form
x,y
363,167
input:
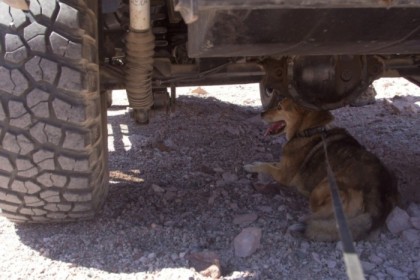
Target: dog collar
x,y
311,131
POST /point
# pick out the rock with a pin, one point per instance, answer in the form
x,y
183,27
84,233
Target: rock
x,y
418,273
234,130
395,273
245,219
415,221
398,221
174,256
212,198
157,189
281,208
367,266
265,209
218,170
414,209
169,196
376,259
404,104
411,235
316,258
207,263
169,143
259,149
331,264
229,177
151,256
234,206
247,242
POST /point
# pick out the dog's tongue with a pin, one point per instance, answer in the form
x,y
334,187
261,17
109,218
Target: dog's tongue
x,y
275,128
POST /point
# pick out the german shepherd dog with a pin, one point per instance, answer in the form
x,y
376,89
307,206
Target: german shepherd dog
x,y
367,189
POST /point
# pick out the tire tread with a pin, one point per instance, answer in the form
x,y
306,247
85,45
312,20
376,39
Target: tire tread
x,y
52,153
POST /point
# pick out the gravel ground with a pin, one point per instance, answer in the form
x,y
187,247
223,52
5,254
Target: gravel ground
x,y
178,193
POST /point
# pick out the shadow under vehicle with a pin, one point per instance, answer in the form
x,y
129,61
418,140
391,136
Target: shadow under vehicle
x,y
61,59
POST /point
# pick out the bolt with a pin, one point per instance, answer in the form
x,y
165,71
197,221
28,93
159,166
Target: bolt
x,y
346,75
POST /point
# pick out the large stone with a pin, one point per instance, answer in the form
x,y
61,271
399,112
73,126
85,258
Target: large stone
x,y
398,221
247,242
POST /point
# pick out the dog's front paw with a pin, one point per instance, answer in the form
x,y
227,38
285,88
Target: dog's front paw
x,y
253,167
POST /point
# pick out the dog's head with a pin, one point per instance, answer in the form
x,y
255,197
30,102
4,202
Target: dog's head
x,y
289,117
282,117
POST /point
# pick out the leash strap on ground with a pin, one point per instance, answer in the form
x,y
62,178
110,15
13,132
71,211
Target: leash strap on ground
x,y
353,266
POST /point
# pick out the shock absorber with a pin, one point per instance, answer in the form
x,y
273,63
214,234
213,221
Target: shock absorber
x,y
140,44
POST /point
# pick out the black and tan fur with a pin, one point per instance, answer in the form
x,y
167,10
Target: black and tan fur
x,y
368,190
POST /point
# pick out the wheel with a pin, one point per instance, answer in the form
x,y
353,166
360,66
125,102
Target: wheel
x,y
53,152
268,96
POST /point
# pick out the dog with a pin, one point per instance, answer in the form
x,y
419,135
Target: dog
x,y
368,190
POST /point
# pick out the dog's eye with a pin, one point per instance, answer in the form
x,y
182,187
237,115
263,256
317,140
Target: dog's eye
x,y
269,91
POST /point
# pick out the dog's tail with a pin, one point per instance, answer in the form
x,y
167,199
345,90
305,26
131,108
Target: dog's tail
x,y
326,229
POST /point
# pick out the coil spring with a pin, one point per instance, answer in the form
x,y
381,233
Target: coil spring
x,y
159,23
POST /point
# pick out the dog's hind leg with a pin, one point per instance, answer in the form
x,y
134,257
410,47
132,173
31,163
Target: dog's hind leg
x,y
322,226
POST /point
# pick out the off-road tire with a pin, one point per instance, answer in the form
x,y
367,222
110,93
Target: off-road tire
x,y
53,149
